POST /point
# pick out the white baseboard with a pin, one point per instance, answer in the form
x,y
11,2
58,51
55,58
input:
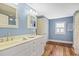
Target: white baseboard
x,y
60,41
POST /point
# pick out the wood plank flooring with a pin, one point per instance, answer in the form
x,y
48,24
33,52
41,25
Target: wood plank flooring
x,y
58,49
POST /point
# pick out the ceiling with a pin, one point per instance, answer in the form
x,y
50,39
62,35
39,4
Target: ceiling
x,y
11,4
50,10
55,10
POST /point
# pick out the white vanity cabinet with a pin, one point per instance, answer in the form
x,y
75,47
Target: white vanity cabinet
x,y
76,32
38,46
42,26
26,49
33,47
16,50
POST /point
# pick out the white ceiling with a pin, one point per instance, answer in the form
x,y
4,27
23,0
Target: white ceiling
x,y
55,10
11,4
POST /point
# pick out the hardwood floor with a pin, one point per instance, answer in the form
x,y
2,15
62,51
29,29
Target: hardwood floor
x,y
58,49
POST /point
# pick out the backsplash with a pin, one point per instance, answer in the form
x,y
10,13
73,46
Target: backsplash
x,y
22,10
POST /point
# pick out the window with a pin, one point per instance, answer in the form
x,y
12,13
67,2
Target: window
x,y
12,21
60,28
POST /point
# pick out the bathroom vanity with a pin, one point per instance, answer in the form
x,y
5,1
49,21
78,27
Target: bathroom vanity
x,y
76,32
13,26
23,46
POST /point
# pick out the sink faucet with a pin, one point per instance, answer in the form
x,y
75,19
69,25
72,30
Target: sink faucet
x,y
24,38
11,38
7,36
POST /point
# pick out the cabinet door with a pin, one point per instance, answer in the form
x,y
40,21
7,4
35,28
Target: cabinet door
x,y
34,49
13,50
38,46
29,49
43,43
23,49
10,51
26,49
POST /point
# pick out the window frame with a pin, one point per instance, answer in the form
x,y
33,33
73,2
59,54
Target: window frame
x,y
61,28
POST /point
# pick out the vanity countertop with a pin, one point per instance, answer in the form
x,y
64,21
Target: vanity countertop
x,y
16,41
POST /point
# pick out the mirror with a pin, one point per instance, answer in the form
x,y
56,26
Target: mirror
x,y
32,19
8,15
12,21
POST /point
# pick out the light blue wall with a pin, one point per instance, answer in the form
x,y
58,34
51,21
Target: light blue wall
x,y
68,36
22,13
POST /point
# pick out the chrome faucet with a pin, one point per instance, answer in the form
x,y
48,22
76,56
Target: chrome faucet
x,y
7,36
1,39
24,38
11,38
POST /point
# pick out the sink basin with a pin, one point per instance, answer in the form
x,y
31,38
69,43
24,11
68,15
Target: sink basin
x,y
30,37
16,41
